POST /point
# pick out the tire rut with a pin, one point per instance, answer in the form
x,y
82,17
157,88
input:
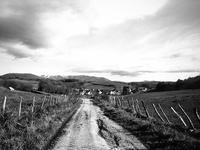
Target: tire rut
x,y
116,136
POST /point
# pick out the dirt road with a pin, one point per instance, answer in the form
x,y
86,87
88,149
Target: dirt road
x,y
89,129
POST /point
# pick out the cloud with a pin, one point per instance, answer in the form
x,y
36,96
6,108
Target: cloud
x,y
114,72
125,73
112,12
89,71
181,71
19,22
17,53
16,50
43,24
133,73
21,26
175,55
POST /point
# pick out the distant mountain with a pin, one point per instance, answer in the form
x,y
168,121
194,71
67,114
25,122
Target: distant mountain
x,y
54,77
80,77
89,78
24,76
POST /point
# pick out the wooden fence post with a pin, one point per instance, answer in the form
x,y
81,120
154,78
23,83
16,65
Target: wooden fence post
x,y
20,106
138,107
120,102
179,117
4,105
47,99
129,104
112,100
117,102
53,100
60,98
190,121
158,113
56,101
50,100
43,102
145,109
133,106
164,114
33,105
196,114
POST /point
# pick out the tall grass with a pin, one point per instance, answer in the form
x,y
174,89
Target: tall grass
x,y
33,130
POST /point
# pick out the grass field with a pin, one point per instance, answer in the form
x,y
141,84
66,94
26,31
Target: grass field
x,y
109,85
153,133
31,130
33,83
188,99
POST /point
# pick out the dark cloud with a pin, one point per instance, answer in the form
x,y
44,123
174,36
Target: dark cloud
x,y
125,73
179,18
181,71
115,72
19,22
139,73
133,73
24,32
175,56
181,12
15,51
77,70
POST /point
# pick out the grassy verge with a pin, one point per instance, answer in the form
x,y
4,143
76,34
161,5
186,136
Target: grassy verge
x,y
153,134
33,131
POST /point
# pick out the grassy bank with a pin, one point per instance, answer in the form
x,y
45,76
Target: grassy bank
x,y
32,130
188,99
153,134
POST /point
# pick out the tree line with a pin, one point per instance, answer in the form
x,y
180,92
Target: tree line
x,y
190,83
44,85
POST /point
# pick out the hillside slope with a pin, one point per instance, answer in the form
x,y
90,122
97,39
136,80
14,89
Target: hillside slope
x,y
24,76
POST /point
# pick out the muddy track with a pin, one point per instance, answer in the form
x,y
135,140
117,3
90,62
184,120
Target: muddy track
x,y
89,129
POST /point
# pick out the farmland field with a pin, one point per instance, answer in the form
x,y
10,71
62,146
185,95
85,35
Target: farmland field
x,y
188,99
13,98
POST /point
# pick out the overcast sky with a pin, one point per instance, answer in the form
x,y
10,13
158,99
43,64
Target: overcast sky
x,y
125,40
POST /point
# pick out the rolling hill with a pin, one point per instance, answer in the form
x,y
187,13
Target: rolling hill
x,y
88,78
22,76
